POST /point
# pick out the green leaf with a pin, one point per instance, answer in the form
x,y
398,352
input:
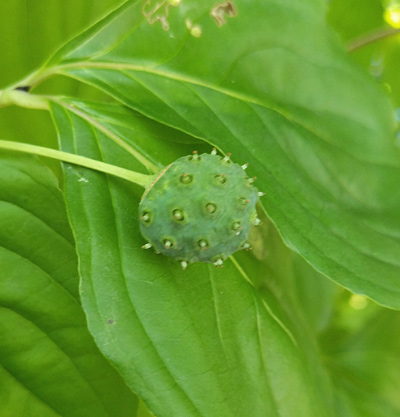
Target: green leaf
x,y
314,294
274,87
200,342
303,293
364,363
151,143
49,364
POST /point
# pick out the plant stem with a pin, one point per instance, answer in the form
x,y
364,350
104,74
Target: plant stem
x,y
132,176
9,97
370,38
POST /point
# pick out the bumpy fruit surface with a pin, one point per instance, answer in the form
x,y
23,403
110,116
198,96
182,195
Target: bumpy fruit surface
x,y
199,209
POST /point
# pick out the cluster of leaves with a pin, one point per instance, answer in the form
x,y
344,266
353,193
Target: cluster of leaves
x,y
268,334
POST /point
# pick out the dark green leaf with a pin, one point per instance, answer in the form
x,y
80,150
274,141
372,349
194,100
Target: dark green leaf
x,y
49,364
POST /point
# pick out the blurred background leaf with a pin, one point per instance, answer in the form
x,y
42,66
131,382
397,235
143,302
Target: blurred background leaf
x,y
362,352
30,32
357,20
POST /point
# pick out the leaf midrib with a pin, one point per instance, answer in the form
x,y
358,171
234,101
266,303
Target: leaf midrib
x,y
27,389
64,353
67,70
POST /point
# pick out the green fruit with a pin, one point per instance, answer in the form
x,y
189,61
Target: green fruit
x,y
199,209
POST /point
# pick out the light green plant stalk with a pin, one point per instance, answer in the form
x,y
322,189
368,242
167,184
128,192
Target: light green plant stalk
x,y
19,97
135,177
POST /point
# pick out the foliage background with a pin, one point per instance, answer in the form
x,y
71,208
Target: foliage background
x,y
30,33
356,340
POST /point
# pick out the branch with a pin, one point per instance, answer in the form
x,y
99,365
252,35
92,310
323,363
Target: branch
x,y
370,38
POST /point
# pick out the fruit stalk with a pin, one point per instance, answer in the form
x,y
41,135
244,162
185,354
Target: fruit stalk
x,y
132,176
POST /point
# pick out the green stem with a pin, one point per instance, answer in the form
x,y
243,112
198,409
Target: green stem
x,y
132,176
9,97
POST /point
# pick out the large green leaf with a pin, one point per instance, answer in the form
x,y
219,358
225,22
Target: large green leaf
x,y
272,86
49,364
200,342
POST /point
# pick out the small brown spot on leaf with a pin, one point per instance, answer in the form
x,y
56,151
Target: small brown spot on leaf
x,y
222,10
159,11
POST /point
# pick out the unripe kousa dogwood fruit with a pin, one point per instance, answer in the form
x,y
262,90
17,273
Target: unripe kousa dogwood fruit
x,y
199,209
